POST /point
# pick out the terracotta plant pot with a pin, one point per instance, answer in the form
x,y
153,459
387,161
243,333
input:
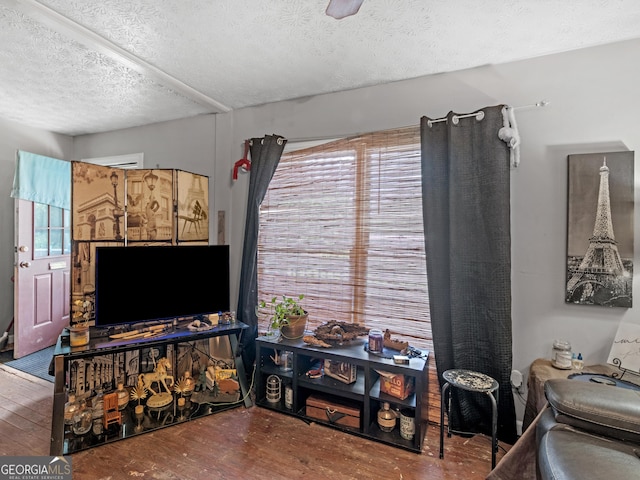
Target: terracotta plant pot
x,y
295,328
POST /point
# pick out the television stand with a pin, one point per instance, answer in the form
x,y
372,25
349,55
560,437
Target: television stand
x,y
106,361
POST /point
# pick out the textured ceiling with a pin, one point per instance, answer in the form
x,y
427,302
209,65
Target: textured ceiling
x,y
86,66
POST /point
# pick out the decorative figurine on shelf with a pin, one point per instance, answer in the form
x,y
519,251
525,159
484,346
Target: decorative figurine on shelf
x,y
335,332
394,343
275,357
190,383
184,387
160,376
111,415
201,384
139,392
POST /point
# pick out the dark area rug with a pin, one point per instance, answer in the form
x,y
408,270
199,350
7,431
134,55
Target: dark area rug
x,y
36,363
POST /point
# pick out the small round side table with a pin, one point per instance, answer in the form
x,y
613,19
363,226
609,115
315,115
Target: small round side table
x,y
472,382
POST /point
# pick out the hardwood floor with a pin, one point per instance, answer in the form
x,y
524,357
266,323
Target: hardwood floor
x,y
252,443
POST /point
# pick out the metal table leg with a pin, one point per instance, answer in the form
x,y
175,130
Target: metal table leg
x,y
494,427
443,406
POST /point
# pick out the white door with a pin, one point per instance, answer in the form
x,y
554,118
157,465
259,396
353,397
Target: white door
x,y
42,291
43,284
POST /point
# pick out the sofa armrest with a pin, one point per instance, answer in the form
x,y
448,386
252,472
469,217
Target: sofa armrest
x,y
596,408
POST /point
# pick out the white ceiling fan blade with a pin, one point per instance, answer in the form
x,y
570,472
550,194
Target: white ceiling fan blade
x,y
343,8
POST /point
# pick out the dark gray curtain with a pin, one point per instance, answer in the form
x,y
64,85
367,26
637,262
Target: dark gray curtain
x,y
466,189
265,156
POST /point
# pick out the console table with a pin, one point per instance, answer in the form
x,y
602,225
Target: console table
x,y
102,351
360,400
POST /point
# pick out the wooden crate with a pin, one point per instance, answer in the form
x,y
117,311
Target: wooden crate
x,y
335,411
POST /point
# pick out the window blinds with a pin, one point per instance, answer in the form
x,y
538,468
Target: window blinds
x,y
342,224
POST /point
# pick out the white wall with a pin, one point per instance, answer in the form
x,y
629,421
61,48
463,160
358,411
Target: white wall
x,y
14,137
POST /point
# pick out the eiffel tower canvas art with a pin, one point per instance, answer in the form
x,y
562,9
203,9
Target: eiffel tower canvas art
x,y
600,229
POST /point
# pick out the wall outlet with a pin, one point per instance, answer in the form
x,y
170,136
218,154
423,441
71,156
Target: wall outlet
x,y
516,379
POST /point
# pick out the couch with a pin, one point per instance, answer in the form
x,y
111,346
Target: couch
x,y
590,431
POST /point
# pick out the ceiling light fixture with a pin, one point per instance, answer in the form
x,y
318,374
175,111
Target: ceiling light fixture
x,y
343,8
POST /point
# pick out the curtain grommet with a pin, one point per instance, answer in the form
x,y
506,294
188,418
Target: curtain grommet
x,y
479,116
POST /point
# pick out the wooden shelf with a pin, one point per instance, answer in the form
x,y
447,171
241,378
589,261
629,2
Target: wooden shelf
x,y
365,391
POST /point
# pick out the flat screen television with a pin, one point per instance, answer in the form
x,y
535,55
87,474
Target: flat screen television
x,y
137,284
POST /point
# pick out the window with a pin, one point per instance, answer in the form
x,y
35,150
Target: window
x,y
51,231
342,224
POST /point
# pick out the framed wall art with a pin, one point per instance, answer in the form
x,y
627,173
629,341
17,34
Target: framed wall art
x,y
600,229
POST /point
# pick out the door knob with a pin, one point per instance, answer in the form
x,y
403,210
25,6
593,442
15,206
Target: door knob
x,y
25,264
23,248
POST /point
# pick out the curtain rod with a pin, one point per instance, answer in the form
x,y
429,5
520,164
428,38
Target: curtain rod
x,y
480,114
541,103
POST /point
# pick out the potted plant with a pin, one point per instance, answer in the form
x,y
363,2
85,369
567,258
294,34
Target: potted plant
x,y
287,315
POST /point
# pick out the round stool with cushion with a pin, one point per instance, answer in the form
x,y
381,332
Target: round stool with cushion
x,y
472,382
